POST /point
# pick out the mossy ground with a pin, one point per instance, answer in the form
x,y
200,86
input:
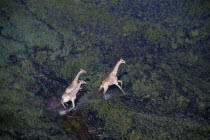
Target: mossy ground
x,y
165,44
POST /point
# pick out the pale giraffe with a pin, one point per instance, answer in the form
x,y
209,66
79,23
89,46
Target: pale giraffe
x,y
112,79
75,81
71,96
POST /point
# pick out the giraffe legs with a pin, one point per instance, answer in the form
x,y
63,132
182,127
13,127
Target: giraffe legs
x,y
73,105
106,86
105,89
120,82
63,104
120,88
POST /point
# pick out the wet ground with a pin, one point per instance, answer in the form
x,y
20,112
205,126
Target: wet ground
x,y
74,121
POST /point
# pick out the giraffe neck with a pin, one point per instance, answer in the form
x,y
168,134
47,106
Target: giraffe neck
x,y
75,81
115,70
77,88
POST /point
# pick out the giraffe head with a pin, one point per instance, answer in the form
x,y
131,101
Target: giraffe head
x,y
82,71
122,61
82,82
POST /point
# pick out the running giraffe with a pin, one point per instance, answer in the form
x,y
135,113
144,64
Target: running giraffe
x,y
71,96
112,79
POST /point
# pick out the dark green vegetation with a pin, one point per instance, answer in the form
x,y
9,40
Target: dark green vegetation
x,y
166,45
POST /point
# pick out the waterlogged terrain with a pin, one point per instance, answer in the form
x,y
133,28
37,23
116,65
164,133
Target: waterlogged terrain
x,y
44,44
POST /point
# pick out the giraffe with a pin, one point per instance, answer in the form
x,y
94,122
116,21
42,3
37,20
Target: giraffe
x,y
71,96
74,82
112,79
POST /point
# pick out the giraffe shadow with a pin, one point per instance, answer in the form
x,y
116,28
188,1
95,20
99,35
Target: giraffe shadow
x,y
122,74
